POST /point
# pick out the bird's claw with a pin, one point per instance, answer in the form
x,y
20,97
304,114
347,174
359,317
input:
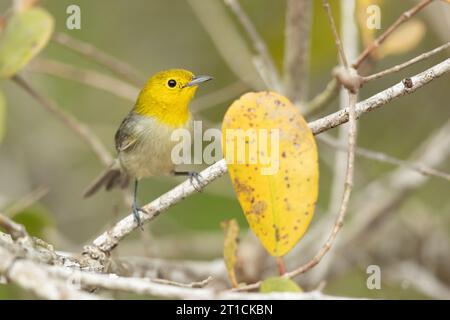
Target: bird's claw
x,y
198,179
137,218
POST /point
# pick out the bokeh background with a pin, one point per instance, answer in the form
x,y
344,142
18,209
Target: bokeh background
x,y
44,167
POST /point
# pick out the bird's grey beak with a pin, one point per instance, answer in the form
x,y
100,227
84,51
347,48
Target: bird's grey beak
x,y
197,80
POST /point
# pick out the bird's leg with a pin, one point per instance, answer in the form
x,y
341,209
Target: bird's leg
x,y
135,208
192,176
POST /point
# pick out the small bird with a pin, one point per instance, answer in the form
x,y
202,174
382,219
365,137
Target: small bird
x,y
143,140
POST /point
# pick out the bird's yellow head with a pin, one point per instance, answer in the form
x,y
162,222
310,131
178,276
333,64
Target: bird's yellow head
x,y
167,94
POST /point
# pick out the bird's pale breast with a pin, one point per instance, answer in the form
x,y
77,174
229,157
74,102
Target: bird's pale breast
x,y
151,146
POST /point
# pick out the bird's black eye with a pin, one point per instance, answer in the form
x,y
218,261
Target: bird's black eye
x,y
171,83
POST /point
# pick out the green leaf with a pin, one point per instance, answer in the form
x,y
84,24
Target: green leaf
x,y
279,284
26,33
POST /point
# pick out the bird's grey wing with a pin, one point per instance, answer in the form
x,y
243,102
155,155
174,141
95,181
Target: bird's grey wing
x,y
126,137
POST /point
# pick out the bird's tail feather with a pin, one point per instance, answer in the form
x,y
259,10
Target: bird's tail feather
x,y
111,177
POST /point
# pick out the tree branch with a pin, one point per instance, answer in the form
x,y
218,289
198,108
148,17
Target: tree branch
x,y
87,77
348,183
88,50
16,230
270,71
71,122
377,42
406,64
296,51
380,99
228,41
323,98
34,277
111,238
45,276
382,157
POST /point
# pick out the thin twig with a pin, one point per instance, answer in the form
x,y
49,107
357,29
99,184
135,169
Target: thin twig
x,y
196,284
87,77
297,47
378,41
258,44
348,184
346,197
382,157
337,39
16,230
383,97
141,286
406,64
228,40
88,50
349,34
26,201
324,98
109,239
71,122
394,188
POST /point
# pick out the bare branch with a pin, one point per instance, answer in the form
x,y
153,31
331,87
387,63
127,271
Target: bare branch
x,y
273,79
26,201
348,185
322,99
196,284
296,52
382,157
35,277
406,64
84,76
89,51
71,122
393,187
346,197
109,239
337,39
377,42
49,279
145,286
381,98
16,230
228,41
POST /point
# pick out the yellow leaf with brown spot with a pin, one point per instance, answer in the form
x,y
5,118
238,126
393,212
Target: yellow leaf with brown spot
x,y
404,39
230,244
272,160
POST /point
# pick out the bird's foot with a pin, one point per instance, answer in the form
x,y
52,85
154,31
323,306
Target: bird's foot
x,y
194,177
136,210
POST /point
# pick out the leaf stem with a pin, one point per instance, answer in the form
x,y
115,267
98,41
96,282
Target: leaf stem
x,y
281,265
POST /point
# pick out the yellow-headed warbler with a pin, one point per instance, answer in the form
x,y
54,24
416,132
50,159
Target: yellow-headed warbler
x,y
143,140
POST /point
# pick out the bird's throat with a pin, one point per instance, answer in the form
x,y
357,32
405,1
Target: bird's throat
x,y
176,115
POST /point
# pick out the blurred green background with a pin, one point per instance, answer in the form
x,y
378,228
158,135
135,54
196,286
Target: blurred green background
x,y
38,151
